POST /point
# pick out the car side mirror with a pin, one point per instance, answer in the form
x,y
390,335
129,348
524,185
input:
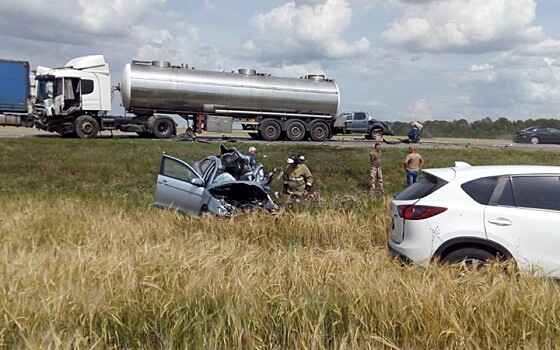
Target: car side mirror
x,y
197,182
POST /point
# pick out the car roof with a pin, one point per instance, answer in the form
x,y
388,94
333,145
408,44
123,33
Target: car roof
x,y
466,172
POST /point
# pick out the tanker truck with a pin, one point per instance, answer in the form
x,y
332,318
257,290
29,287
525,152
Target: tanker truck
x,y
75,100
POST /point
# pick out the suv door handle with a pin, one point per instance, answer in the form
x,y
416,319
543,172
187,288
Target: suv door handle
x,y
500,222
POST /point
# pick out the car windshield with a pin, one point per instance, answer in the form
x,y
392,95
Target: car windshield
x,y
422,188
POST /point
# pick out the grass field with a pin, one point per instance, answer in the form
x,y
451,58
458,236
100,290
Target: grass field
x,y
87,263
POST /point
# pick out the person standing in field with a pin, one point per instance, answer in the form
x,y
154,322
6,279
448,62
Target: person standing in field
x,y
376,182
412,164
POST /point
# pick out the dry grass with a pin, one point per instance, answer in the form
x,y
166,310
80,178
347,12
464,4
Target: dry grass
x,y
86,263
79,274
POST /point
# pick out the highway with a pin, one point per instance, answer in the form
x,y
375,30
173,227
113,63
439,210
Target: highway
x,y
338,141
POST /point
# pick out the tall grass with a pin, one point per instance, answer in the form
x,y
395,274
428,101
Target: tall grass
x,y
85,262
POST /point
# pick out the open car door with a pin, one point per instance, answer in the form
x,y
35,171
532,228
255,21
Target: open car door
x,y
178,186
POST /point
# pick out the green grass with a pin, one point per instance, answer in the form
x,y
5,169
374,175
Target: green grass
x,y
86,262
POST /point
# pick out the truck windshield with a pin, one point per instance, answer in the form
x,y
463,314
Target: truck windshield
x,y
45,89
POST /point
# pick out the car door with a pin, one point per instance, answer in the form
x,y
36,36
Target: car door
x,y
545,135
554,135
349,122
360,122
525,219
179,186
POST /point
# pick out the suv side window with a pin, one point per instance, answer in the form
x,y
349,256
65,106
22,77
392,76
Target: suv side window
x,y
359,116
540,192
506,198
172,168
480,189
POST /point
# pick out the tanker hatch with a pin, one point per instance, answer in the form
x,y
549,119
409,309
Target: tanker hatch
x,y
161,64
246,71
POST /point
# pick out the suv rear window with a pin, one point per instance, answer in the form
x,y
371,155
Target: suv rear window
x,y
480,189
427,185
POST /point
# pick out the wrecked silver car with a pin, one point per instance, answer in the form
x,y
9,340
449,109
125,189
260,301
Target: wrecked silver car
x,y
222,185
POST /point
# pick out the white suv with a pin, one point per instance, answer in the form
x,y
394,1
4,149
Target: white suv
x,y
476,213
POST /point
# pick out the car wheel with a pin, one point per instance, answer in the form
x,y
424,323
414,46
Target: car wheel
x,y
469,257
535,140
374,133
203,210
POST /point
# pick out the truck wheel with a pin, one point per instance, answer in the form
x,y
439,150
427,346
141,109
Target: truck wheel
x,y
86,127
163,128
270,130
319,131
295,131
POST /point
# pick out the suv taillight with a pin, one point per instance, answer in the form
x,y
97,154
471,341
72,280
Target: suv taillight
x,y
418,212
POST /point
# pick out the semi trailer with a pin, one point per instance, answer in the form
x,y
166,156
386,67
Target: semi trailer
x,y
75,100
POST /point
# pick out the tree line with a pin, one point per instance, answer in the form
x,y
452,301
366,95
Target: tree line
x,y
486,128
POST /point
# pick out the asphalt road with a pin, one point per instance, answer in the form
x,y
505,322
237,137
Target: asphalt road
x,y
338,141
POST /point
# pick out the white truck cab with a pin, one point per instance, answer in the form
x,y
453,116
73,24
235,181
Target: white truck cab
x,y
82,85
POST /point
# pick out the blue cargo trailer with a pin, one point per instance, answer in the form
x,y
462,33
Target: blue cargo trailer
x,y
14,86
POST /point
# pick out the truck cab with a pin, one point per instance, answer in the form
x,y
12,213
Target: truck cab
x,y
74,101
83,85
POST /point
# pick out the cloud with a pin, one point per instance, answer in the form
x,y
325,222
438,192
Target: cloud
x,y
463,26
371,103
304,30
50,33
420,110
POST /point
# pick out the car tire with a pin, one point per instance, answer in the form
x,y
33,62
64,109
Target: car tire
x,y
203,210
374,132
535,140
469,256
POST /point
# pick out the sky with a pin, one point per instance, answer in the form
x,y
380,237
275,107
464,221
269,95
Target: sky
x,y
399,60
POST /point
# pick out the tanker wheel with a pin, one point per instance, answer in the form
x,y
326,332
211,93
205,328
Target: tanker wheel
x,y
163,128
86,127
270,130
295,131
319,131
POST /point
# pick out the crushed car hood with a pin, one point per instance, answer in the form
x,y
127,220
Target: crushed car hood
x,y
239,191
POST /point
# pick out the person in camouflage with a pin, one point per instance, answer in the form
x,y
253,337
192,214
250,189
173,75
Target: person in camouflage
x,y
376,182
297,177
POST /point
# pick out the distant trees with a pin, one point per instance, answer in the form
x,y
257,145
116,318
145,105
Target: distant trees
x,y
486,128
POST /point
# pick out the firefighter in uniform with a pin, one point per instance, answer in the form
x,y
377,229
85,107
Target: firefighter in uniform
x,y
297,177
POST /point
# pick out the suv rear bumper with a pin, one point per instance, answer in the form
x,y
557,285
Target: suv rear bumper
x,y
398,255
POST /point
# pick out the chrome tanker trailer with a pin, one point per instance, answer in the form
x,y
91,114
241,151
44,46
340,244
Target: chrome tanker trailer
x,y
75,101
266,105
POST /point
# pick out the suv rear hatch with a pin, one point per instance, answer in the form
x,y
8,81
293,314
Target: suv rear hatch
x,y
403,204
